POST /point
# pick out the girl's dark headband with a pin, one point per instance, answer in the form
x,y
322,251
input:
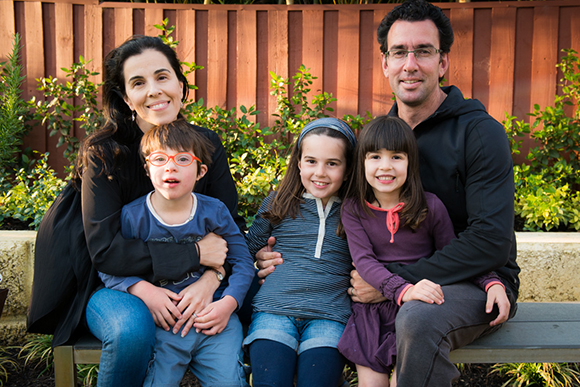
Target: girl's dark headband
x,y
330,123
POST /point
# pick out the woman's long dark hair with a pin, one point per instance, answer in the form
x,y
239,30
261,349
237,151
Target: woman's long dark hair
x,y
109,144
393,134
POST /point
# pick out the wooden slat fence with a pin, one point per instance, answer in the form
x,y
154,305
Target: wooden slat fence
x,y
504,53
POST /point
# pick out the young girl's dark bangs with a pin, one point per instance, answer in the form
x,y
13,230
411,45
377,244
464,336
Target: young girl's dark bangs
x,y
391,136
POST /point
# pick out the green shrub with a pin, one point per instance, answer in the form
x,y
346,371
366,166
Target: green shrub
x,y
294,112
87,374
547,185
61,114
253,161
7,363
14,112
37,351
31,193
539,374
546,204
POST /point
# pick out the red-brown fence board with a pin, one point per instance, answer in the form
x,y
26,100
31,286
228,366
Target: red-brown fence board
x,y
246,58
202,42
217,54
504,52
312,50
461,56
33,64
7,28
347,62
382,93
503,37
523,63
277,52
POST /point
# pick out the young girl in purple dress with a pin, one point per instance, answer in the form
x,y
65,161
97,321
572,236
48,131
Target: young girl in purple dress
x,y
388,218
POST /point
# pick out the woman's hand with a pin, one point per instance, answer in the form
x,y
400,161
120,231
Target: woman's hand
x,y
426,291
267,260
214,318
160,302
212,250
361,291
194,299
496,295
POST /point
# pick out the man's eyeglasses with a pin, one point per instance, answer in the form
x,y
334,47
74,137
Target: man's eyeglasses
x,y
420,53
183,159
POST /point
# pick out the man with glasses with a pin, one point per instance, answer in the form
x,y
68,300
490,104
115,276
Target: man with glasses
x,y
466,162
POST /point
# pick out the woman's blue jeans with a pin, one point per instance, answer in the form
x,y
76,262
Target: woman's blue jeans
x,y
125,326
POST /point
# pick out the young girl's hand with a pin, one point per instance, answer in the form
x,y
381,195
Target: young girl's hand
x,y
159,301
195,298
214,318
426,291
496,295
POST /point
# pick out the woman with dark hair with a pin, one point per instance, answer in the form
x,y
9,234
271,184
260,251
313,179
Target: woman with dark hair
x,y
80,234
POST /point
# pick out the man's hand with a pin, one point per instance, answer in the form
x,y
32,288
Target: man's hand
x,y
195,298
212,250
426,291
496,295
267,260
160,302
361,291
214,318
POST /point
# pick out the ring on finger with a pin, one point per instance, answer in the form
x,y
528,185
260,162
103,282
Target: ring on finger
x,y
194,315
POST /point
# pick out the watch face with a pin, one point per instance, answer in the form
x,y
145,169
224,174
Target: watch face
x,y
219,275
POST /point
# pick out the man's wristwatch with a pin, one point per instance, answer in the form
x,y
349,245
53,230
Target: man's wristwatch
x,y
218,274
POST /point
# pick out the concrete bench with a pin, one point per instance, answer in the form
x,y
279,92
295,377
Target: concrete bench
x,y
539,333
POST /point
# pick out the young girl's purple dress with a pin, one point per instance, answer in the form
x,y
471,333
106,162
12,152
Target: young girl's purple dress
x,y
369,337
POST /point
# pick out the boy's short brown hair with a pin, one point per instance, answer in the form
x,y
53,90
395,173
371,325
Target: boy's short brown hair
x,y
180,136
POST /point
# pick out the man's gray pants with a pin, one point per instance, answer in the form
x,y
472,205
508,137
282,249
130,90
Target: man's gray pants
x,y
426,333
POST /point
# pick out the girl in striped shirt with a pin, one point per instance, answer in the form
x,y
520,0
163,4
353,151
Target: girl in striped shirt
x,y
301,310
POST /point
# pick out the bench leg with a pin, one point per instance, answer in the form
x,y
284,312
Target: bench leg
x,y
65,370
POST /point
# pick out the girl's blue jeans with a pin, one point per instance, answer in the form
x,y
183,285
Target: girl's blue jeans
x,y
125,326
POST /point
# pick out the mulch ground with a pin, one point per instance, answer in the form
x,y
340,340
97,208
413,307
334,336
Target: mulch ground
x,y
15,224
30,376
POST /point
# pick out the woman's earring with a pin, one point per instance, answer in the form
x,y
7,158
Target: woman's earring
x,y
182,104
133,115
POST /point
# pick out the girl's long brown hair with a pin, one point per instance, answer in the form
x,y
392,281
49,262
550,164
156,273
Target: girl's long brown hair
x,y
393,134
289,194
